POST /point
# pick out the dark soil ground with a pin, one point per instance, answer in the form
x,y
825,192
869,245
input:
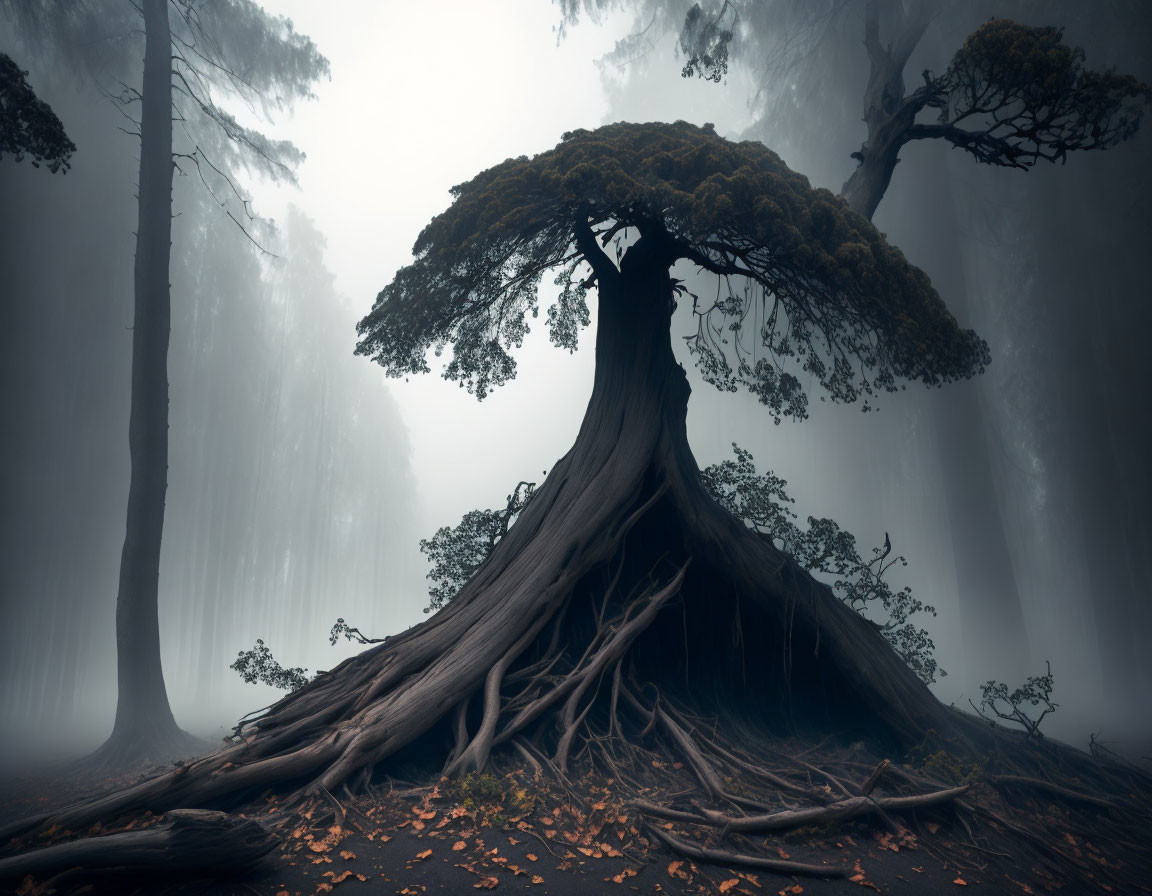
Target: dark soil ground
x,y
516,832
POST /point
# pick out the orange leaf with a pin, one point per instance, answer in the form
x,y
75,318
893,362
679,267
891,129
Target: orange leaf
x,y
960,882
486,883
674,867
347,855
531,857
727,885
537,879
459,845
424,855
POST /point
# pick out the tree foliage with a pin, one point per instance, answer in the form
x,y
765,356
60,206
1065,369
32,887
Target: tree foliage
x,y
258,665
28,126
799,276
1011,96
1036,691
1015,94
456,552
223,53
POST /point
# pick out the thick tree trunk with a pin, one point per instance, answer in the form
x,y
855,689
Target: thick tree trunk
x,y
145,729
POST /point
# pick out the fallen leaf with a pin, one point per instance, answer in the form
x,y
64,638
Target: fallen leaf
x,y
674,867
932,827
537,879
531,857
727,885
347,855
486,883
424,855
960,882
459,845
783,854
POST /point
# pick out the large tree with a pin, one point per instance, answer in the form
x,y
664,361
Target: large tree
x,y
214,51
623,519
624,598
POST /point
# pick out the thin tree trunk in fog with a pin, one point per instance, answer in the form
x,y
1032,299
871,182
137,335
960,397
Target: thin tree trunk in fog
x,y
990,608
144,719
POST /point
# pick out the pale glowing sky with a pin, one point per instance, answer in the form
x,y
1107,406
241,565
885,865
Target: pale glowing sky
x,y
422,97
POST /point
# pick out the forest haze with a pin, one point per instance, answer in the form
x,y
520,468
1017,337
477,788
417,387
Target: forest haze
x,y
300,480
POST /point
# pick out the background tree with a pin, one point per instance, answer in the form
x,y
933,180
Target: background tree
x,y
232,49
28,126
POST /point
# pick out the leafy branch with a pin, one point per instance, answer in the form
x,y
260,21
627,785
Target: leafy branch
x,y
1036,691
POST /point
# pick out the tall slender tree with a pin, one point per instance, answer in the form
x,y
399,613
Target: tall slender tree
x,y
195,54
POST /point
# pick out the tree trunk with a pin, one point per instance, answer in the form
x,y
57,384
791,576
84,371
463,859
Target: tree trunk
x,y
887,112
145,729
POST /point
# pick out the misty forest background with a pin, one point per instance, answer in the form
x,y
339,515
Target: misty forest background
x,y
300,480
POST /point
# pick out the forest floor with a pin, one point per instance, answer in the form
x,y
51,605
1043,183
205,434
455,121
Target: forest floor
x,y
517,832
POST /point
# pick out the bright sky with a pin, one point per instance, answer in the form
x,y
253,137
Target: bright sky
x,y
424,96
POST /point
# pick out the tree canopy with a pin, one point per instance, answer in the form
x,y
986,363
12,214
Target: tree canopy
x,y
1014,95
28,126
812,280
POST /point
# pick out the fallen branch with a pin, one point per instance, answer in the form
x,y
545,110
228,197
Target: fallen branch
x,y
853,807
189,840
1039,784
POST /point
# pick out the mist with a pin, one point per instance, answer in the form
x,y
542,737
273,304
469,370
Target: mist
x,y
301,479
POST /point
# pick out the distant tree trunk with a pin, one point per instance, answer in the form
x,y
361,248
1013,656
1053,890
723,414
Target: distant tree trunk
x,y
888,114
991,613
145,729
990,607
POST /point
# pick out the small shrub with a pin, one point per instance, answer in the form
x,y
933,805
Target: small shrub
x,y
1036,691
951,769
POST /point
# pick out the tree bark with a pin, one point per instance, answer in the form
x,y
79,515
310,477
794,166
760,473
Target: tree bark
x,y
888,113
145,729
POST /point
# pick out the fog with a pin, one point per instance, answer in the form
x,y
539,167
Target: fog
x,y
301,479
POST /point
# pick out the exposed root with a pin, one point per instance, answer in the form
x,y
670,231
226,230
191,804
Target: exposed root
x,y
724,857
1049,787
592,677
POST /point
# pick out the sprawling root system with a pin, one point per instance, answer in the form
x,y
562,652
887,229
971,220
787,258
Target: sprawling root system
x,y
648,650
626,620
